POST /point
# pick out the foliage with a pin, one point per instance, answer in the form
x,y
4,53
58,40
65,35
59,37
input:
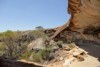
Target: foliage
x,y
71,45
13,47
59,43
15,44
37,56
25,55
38,34
2,49
39,28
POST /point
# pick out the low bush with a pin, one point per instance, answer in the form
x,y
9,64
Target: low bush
x,y
38,56
59,43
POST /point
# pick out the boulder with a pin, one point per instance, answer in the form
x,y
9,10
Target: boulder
x,y
38,44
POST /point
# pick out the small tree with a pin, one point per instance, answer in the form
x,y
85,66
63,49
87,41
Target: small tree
x,y
39,28
13,46
8,39
39,32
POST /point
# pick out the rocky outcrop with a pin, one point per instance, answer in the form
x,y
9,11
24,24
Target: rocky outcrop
x,y
85,18
37,44
85,14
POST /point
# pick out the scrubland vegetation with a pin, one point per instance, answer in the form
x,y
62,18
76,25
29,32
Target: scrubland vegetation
x,y
14,44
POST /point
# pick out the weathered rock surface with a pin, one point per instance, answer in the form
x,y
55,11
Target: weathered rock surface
x,y
64,58
85,18
85,14
37,44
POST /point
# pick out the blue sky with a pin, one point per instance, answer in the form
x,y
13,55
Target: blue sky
x,y
28,14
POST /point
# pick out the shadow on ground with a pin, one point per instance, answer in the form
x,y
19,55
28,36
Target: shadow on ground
x,y
12,63
91,47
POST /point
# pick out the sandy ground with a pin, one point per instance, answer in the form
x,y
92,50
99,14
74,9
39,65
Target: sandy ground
x,y
92,59
89,62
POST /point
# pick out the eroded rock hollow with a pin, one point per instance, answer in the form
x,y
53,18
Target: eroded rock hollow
x,y
84,21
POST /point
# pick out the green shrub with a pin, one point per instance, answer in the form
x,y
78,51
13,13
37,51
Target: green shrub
x,y
2,49
71,45
2,46
13,44
38,34
26,55
37,56
59,43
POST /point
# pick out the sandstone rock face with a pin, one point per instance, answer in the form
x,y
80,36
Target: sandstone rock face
x,y
84,21
85,14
